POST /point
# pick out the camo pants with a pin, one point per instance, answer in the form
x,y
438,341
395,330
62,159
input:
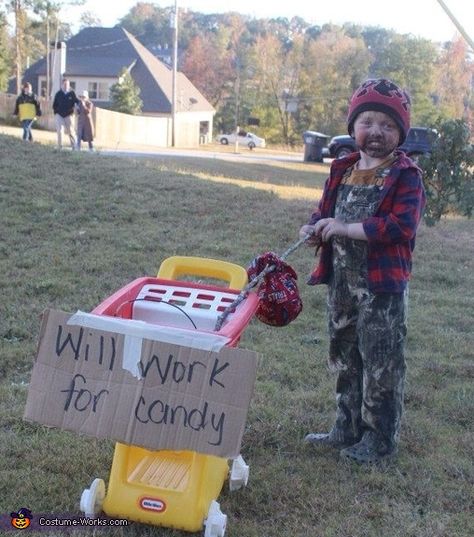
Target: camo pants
x,y
367,335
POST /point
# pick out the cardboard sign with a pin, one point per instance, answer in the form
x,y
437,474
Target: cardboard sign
x,y
186,399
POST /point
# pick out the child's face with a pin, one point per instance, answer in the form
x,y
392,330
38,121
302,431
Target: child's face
x,y
376,134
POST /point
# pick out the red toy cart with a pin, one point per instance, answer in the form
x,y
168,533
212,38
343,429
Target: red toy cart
x,y
176,489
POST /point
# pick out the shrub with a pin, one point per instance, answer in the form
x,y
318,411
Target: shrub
x,y
448,172
125,95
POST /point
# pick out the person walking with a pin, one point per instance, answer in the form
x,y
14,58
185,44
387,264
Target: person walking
x,y
63,107
85,125
27,109
366,225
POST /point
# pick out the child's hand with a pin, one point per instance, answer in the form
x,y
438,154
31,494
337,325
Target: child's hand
x,y
314,240
329,227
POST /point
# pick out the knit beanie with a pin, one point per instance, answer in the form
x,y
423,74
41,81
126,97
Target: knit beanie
x,y
381,95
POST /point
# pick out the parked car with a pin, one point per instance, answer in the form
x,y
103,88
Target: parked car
x,y
418,142
245,138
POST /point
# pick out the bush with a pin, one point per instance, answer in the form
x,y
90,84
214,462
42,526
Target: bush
x,y
125,95
448,172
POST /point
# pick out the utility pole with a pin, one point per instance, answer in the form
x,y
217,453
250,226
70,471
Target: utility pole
x,y
174,25
237,106
456,23
48,57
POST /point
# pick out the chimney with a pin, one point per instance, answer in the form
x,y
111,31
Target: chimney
x,y
58,65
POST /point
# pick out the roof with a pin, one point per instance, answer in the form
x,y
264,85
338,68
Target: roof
x,y
104,52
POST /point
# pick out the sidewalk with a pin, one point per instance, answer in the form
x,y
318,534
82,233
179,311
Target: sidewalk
x,y
211,151
44,137
49,138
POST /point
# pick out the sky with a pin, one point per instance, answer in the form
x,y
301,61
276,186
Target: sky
x,y
421,18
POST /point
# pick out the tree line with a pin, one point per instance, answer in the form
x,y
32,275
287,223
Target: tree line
x,y
293,76
287,74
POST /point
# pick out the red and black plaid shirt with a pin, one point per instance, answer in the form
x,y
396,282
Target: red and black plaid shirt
x,y
391,231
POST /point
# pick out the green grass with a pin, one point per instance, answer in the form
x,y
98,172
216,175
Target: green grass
x,y
75,227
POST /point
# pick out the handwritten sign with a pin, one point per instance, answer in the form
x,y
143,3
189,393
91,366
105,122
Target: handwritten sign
x,y
185,399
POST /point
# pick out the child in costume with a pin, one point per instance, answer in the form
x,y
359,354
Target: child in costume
x,y
366,225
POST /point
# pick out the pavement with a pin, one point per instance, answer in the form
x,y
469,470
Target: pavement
x,y
211,151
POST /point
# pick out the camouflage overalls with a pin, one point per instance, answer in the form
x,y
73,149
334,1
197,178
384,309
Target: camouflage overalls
x,y
366,330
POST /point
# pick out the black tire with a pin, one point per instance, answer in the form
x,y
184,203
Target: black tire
x,y
251,145
343,152
224,141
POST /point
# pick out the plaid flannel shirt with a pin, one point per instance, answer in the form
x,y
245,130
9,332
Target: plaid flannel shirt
x,y
390,232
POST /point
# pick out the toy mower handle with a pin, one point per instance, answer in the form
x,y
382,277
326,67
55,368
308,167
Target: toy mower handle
x,y
174,267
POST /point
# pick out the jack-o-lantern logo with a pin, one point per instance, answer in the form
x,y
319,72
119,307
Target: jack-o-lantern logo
x,y
22,519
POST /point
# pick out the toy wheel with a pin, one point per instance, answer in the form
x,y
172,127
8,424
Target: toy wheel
x,y
239,474
93,498
215,522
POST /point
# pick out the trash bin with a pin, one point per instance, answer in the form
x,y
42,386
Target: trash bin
x,y
314,142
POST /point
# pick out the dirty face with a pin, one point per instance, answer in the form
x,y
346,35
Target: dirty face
x,y
376,134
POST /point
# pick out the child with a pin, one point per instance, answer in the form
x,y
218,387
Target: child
x,y
27,108
366,224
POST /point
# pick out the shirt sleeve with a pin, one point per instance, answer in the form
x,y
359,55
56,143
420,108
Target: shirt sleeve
x,y
400,224
316,215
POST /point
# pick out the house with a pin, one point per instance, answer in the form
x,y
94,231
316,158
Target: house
x,y
93,60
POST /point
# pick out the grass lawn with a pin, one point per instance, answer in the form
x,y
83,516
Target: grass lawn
x,y
75,227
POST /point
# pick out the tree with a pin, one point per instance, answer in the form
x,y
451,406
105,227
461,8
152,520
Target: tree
x,y
24,38
277,71
32,36
233,37
88,19
208,66
149,23
247,66
448,172
454,75
125,95
410,63
19,11
333,65
4,53
49,11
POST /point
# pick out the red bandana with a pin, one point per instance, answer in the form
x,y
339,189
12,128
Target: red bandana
x,y
280,301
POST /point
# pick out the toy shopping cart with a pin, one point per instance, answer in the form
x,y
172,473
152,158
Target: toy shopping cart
x,y
176,489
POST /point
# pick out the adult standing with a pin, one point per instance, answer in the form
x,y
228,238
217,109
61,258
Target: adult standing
x,y
63,108
27,108
85,126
